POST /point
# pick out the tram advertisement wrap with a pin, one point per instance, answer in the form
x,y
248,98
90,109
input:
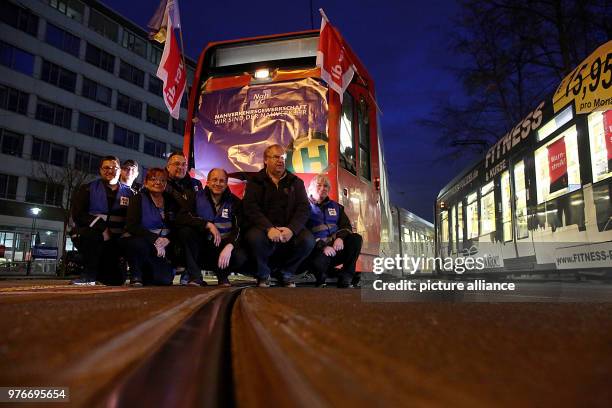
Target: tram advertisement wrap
x,y
557,165
235,126
589,85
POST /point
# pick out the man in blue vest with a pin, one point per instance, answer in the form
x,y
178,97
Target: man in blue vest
x,y
210,231
336,243
276,210
98,212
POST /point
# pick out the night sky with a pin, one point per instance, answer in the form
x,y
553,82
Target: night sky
x,y
403,45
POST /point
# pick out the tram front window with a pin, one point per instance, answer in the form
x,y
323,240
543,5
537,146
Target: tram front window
x,y
347,141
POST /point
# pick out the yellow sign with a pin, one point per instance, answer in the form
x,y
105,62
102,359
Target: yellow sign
x,y
589,85
309,156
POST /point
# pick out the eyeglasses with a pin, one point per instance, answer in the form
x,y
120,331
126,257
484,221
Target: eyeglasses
x,y
157,180
277,158
107,168
177,164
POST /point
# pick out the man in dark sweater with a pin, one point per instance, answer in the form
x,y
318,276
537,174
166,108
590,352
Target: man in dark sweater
x,y
98,212
276,209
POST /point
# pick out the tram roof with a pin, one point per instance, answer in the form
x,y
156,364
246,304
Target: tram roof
x,y
458,177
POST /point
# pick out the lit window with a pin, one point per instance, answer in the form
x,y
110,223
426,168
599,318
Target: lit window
x,y
557,166
487,209
506,206
520,194
472,216
600,139
555,123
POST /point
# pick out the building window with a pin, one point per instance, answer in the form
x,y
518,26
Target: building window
x,y
185,98
174,148
131,74
48,152
154,147
13,100
19,17
12,143
96,92
58,76
157,117
94,127
129,105
8,187
126,138
178,126
87,162
16,58
156,86
71,8
155,54
53,113
347,143
134,43
44,193
62,39
103,25
100,58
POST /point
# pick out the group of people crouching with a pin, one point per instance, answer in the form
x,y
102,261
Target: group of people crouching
x,y
172,223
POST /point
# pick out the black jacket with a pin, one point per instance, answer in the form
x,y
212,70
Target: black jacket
x,y
183,190
260,190
188,216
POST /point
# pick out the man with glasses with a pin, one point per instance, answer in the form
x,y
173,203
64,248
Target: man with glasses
x,y
182,188
276,209
98,213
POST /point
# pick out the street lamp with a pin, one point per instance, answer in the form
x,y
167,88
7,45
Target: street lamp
x,y
34,211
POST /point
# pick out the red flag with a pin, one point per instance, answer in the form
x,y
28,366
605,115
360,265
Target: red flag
x,y
171,67
557,165
336,68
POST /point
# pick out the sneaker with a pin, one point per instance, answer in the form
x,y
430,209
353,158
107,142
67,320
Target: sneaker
x,y
184,279
263,282
224,283
83,282
321,285
289,284
136,284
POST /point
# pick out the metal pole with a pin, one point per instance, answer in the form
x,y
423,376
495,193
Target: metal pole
x,y
29,268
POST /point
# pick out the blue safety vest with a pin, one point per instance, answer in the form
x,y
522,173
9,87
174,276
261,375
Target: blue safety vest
x,y
98,205
323,220
221,218
152,217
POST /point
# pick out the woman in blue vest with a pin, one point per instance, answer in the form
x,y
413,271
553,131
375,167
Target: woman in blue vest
x,y
336,243
150,218
209,230
98,212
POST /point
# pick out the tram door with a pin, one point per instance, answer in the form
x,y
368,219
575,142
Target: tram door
x,y
358,170
524,242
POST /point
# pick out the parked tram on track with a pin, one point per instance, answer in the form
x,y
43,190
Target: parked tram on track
x,y
251,93
540,199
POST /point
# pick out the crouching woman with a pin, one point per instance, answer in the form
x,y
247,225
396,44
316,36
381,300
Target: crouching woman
x,y
146,241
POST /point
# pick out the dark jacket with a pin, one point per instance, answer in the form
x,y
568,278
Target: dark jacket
x,y
183,190
261,190
133,225
188,215
344,224
80,207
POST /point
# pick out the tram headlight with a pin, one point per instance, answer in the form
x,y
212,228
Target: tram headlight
x,y
262,73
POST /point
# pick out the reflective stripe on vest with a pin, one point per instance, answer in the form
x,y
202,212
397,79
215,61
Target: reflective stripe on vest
x,y
323,220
